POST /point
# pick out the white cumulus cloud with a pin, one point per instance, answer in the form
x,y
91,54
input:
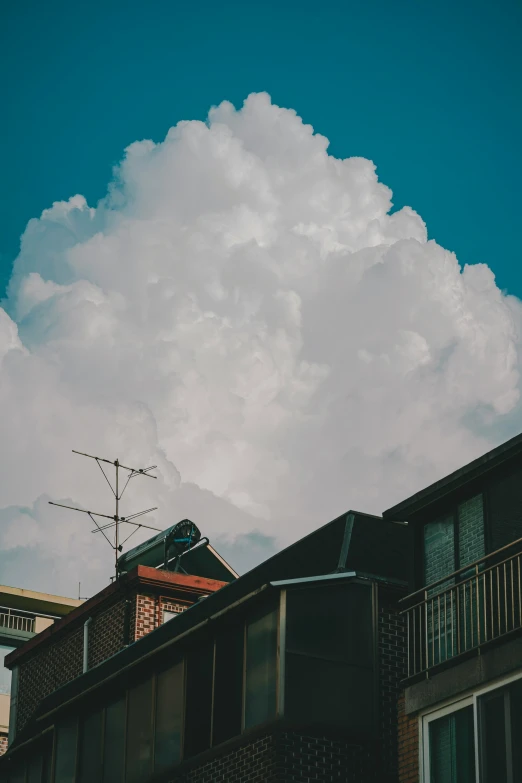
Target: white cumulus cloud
x,y
247,312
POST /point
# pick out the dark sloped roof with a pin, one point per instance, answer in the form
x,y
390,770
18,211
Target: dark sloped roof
x,y
508,451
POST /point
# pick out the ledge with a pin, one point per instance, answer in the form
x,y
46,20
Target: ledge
x,y
468,675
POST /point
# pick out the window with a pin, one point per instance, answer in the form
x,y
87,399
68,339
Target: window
x,y
114,742
451,757
324,652
65,752
198,710
500,714
169,615
91,748
484,729
34,769
228,684
17,775
139,733
169,717
261,669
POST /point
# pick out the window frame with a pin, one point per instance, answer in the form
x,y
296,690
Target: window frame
x,y
449,707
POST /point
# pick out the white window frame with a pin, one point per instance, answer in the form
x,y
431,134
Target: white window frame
x,y
424,730
440,712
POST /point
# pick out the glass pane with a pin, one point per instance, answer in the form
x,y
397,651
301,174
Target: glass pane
x,y
452,749
169,717
494,739
329,676
114,742
17,775
90,748
321,620
34,769
47,765
139,733
199,698
516,728
439,549
65,765
228,684
261,669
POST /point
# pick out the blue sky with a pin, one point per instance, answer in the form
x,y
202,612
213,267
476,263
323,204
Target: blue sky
x,y
431,92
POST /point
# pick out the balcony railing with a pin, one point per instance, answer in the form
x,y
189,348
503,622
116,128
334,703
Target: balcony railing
x,y
15,621
473,606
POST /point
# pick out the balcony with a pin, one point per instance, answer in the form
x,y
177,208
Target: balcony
x,y
464,612
16,621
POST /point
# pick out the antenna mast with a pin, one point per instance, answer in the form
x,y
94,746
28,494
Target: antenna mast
x,y
116,519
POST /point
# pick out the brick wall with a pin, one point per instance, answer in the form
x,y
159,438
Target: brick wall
x,y
107,631
309,759
288,757
392,669
255,762
149,612
58,662
3,743
471,530
408,746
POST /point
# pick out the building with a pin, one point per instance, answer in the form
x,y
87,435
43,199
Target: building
x,y
23,615
382,649
461,711
290,672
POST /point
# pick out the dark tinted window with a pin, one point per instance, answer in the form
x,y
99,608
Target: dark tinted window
x,y
199,664
329,673
500,732
91,748
452,748
169,716
17,774
114,742
516,728
139,733
228,684
65,764
505,510
261,668
34,769
494,738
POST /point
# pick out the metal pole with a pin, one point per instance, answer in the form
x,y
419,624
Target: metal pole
x,y
117,518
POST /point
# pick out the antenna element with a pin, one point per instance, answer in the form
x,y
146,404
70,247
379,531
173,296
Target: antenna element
x,y
116,519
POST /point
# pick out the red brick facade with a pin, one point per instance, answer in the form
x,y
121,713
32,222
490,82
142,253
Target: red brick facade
x,y
121,614
3,743
408,746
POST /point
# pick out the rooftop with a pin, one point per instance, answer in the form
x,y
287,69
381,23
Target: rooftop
x,y
459,478
33,601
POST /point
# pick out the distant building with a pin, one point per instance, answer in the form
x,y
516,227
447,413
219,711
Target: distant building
x,y
289,668
23,615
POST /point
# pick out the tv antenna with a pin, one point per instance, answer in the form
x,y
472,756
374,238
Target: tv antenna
x,y
116,519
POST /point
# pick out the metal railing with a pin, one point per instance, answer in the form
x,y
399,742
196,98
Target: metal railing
x,y
477,604
15,621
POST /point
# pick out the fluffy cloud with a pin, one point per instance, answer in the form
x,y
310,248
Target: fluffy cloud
x,y
245,311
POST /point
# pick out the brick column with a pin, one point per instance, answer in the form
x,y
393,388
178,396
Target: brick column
x,y
408,746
